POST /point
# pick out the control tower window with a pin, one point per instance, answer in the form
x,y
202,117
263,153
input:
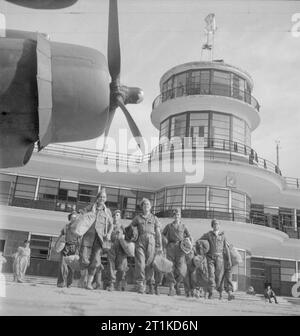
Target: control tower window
x,y
164,129
220,129
180,84
178,126
238,87
221,83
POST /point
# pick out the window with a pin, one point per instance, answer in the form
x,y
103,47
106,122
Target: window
x,y
238,87
288,270
238,203
112,198
180,81
40,246
160,201
67,196
167,90
48,189
7,184
221,83
286,217
174,198
127,202
2,245
220,128
218,199
199,125
238,130
86,194
25,187
195,197
164,129
178,126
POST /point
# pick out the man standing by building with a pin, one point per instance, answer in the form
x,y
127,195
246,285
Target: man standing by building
x,y
147,244
174,233
72,243
215,260
226,281
117,258
92,241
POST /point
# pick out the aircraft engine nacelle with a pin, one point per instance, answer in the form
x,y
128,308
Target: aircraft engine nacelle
x,y
49,92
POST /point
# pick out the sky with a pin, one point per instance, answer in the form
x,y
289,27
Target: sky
x,y
159,34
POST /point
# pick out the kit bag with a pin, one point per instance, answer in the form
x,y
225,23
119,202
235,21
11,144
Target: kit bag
x,y
128,247
83,222
162,264
235,256
60,243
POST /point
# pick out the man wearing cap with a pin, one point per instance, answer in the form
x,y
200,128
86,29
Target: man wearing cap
x,y
65,272
117,258
148,243
215,260
92,241
179,244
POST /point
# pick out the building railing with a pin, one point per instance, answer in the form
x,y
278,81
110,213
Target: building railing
x,y
206,89
213,151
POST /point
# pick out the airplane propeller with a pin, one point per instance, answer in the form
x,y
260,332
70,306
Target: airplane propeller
x,y
120,95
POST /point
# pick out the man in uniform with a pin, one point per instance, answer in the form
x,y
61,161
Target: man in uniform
x,y
92,241
226,282
117,258
215,260
65,272
174,233
147,244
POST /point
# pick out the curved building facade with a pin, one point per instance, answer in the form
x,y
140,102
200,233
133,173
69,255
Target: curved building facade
x,y
211,102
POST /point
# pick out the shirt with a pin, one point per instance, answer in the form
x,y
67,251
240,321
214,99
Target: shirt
x,y
175,233
148,225
216,243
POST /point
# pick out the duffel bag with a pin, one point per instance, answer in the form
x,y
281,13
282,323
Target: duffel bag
x,y
73,262
162,264
60,243
128,247
235,256
83,222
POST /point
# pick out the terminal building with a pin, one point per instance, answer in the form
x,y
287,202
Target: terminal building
x,y
257,205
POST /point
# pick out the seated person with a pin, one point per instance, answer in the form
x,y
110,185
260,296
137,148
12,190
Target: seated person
x,y
269,293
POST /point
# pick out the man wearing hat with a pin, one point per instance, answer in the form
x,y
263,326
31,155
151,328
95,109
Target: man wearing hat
x,y
72,243
148,243
179,245
92,241
215,260
117,258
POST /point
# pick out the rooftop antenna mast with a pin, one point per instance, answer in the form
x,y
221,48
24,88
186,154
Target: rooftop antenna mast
x,y
277,151
209,30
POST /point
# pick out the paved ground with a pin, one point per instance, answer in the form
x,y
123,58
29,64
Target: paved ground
x,y
40,296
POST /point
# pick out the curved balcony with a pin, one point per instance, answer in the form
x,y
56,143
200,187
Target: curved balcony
x,y
206,89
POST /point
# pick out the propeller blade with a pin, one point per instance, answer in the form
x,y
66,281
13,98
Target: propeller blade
x,y
113,47
108,124
132,125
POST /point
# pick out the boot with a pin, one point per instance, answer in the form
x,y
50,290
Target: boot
x,y
177,288
151,289
156,289
111,287
171,290
210,294
89,284
123,285
118,286
140,288
82,280
220,295
230,296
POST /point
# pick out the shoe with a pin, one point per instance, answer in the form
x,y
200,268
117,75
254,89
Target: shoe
x,y
123,285
20,280
150,290
111,287
230,296
171,290
178,291
210,294
89,282
221,296
156,289
60,285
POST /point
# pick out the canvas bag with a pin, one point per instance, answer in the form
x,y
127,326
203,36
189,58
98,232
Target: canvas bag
x,y
60,243
162,264
83,222
128,247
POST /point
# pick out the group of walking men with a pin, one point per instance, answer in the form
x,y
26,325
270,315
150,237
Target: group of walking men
x,y
205,263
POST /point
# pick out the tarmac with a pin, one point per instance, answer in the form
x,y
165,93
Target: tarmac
x,y
39,296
